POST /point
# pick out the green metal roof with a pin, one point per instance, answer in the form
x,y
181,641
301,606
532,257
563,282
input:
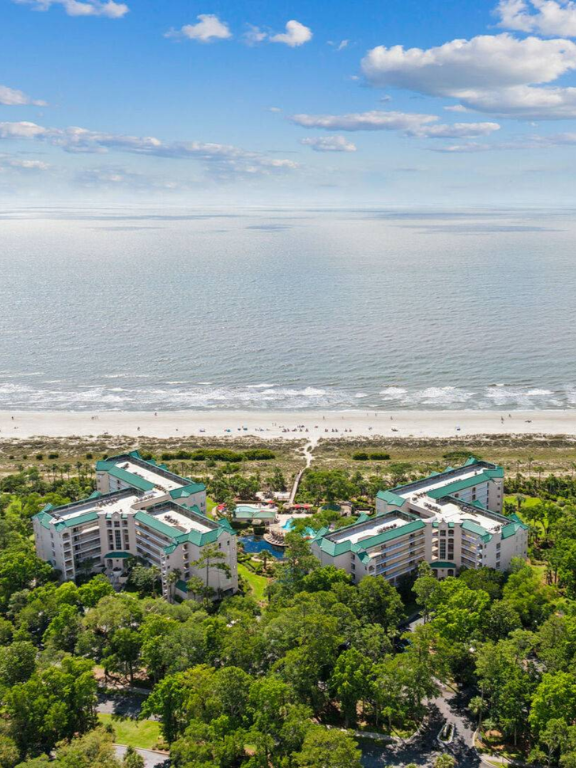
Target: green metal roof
x,y
197,538
187,490
442,564
391,498
72,522
156,525
511,529
118,555
181,585
337,548
458,485
472,527
244,512
44,518
517,519
128,477
492,470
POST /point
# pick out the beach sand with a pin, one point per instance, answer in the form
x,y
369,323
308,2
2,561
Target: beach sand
x,y
283,424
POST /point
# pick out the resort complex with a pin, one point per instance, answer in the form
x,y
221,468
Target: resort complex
x,y
451,519
140,509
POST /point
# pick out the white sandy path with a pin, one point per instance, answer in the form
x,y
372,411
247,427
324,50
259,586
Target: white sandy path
x,y
268,424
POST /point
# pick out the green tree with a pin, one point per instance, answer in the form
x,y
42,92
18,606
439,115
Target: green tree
x,y
64,629
444,761
94,590
211,557
378,602
145,579
350,682
132,759
67,706
555,698
17,663
329,749
8,752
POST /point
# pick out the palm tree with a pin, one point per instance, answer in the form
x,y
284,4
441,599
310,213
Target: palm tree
x,y
264,558
173,577
477,707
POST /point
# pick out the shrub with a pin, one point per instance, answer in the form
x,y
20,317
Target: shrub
x,y
259,454
53,455
374,456
39,456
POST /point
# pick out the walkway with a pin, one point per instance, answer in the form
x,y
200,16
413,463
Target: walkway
x,y
309,458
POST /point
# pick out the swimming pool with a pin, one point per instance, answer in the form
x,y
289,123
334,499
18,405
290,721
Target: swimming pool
x,y
289,525
256,544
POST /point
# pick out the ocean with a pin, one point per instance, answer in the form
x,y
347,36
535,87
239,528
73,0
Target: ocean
x,y
132,309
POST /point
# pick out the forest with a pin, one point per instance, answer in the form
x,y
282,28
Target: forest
x,y
289,679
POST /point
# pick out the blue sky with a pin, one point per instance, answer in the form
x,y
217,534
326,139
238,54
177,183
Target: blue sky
x,y
380,102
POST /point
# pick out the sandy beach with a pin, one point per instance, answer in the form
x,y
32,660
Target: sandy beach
x,y
289,425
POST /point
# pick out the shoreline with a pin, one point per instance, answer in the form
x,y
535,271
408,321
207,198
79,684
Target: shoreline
x,y
289,425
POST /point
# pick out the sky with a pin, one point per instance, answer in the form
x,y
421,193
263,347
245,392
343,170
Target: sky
x,y
372,102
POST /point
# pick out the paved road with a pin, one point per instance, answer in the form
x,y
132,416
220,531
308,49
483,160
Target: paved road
x,y
151,759
425,748
121,703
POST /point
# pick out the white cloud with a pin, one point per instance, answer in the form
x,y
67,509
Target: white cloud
x,y
207,29
254,35
410,124
375,120
495,74
339,46
329,144
455,131
545,17
456,108
487,61
296,34
7,162
10,97
531,143
220,161
110,177
524,101
106,8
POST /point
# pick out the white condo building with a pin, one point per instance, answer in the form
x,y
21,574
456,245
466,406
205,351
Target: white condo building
x,y
139,509
452,519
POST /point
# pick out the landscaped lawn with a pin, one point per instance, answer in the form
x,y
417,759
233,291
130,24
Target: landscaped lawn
x,y
257,583
144,734
210,504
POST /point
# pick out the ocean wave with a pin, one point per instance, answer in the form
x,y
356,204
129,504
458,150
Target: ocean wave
x,y
393,393
177,398
132,396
